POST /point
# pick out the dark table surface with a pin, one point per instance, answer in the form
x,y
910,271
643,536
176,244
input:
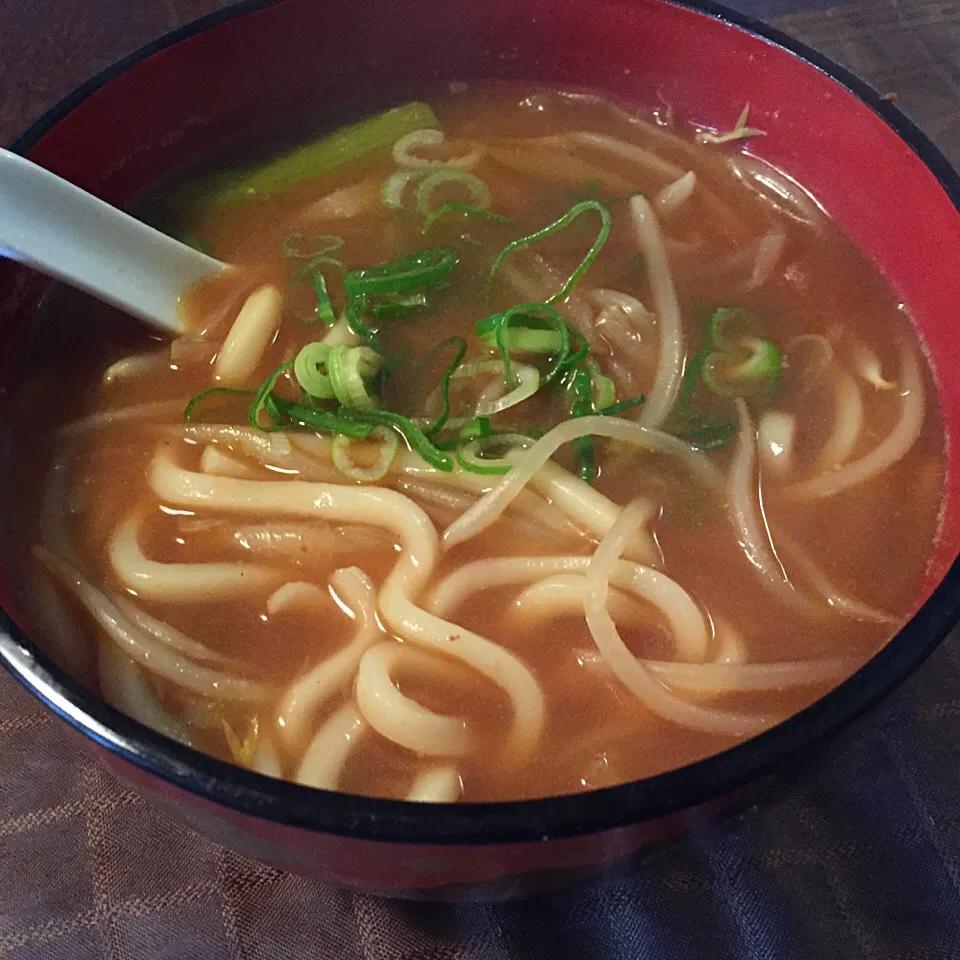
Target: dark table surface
x,y
859,857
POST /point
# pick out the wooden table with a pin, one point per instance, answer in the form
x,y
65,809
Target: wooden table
x,y
225,907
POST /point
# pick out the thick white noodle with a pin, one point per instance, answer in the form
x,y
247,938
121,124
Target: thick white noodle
x,y
674,195
280,452
630,671
443,504
298,543
399,718
323,761
749,519
847,422
889,451
716,678
181,582
439,784
213,460
719,677
135,366
561,595
297,596
556,507
666,383
776,435
144,649
67,642
489,507
252,332
628,151
590,509
123,686
683,617
386,508
308,693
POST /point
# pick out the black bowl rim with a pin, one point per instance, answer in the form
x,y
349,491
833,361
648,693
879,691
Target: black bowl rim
x,y
522,821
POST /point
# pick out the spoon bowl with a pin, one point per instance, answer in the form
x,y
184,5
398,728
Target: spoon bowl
x,y
63,231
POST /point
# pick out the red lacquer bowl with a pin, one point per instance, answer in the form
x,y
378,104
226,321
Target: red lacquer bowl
x,y
237,72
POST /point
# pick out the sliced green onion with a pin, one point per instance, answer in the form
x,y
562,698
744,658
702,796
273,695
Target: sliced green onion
x,y
755,375
323,311
297,246
200,397
478,190
727,326
709,436
466,210
691,377
349,368
307,369
343,460
604,392
534,316
539,334
410,432
622,406
476,428
484,455
260,398
425,268
324,305
355,308
397,305
581,390
317,159
321,420
451,368
393,188
575,211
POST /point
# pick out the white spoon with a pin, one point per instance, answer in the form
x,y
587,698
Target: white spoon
x,y
69,234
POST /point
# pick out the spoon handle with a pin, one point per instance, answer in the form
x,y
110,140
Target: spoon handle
x,y
67,233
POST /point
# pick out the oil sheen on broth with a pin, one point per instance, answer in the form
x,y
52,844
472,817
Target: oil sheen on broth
x,y
394,613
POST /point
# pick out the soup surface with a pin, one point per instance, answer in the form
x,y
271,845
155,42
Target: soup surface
x,y
623,455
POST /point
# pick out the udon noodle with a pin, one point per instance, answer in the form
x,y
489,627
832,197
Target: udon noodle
x,y
528,446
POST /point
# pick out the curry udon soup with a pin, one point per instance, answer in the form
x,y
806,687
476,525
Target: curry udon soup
x,y
530,446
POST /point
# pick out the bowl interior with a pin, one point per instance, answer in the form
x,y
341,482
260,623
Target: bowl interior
x,y
234,79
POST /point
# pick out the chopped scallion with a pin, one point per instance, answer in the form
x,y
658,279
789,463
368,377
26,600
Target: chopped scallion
x,y
425,268
307,369
466,210
349,368
451,368
259,403
411,433
578,209
479,192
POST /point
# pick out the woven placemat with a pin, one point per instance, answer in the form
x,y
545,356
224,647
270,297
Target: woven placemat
x,y
859,856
